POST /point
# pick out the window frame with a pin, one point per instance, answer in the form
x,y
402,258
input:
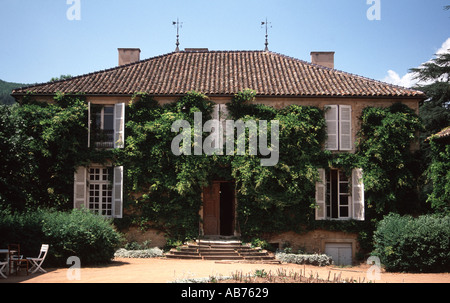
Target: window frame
x,y
82,188
116,135
355,194
339,118
100,186
329,203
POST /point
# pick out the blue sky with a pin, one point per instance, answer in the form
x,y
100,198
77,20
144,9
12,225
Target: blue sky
x,y
39,41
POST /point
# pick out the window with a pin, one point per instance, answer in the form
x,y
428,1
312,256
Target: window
x,y
99,189
339,127
340,197
106,125
220,113
102,126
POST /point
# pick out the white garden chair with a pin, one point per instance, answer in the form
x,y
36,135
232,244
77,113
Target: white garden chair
x,y
2,267
37,262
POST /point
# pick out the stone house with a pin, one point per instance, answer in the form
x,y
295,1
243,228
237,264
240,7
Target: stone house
x,y
278,80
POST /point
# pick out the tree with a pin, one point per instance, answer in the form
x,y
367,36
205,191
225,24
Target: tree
x,y
41,145
435,114
435,111
16,161
62,77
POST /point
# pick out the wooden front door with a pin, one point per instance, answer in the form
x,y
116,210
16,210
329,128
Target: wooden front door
x,y
218,209
211,209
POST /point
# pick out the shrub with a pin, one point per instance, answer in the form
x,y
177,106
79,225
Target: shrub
x,y
409,244
81,233
439,174
314,259
22,228
77,233
141,253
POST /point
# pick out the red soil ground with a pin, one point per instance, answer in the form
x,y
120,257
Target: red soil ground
x,y
160,270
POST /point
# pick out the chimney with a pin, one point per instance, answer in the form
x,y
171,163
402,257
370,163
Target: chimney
x,y
129,55
323,58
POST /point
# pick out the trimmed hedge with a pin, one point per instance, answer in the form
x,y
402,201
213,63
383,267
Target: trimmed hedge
x,y
141,253
315,259
79,233
409,244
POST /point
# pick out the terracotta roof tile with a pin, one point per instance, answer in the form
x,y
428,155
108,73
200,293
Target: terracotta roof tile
x,y
443,134
222,73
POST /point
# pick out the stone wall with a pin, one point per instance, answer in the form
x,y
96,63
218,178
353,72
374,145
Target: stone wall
x,y
313,241
135,234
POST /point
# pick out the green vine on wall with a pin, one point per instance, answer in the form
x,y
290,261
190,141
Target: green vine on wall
x,y
271,199
164,191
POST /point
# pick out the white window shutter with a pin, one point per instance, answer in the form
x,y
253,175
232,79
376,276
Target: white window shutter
x,y
80,188
223,120
321,191
217,144
345,127
119,125
118,192
332,119
358,194
89,124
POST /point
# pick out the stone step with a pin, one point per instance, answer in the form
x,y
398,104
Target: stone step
x,y
187,249
219,243
223,257
181,252
219,253
219,249
258,258
253,253
181,256
206,249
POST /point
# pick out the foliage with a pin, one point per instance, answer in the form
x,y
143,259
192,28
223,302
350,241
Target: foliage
x,y
271,198
435,111
421,244
439,174
16,162
79,233
141,253
277,198
163,190
384,155
49,139
62,77
22,228
314,259
170,185
6,89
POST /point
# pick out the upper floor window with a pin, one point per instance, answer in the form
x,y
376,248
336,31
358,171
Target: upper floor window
x,y
339,127
106,125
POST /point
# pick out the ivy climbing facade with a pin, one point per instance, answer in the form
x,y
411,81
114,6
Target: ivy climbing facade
x,y
345,146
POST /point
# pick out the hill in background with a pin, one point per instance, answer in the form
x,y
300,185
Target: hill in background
x,y
5,91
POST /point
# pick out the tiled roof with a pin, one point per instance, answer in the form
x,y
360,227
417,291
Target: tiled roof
x,y
443,134
222,73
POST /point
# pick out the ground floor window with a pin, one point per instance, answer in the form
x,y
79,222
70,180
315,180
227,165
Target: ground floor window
x,y
99,189
339,196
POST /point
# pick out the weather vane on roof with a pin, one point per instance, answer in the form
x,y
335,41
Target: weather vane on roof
x,y
178,24
267,24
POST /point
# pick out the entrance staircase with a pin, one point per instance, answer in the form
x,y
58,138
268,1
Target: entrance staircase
x,y
220,250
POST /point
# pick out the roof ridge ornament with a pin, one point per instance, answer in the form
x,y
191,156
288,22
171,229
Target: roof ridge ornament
x,y
267,24
178,24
